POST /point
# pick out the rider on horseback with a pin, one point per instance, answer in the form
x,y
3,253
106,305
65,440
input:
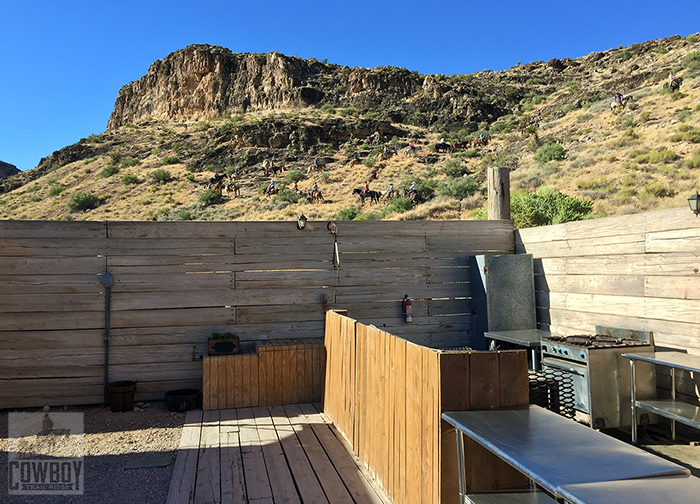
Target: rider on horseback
x,y
314,189
413,189
269,189
214,180
618,98
390,192
365,188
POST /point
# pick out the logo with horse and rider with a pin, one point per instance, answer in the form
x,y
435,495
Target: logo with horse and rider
x,y
45,454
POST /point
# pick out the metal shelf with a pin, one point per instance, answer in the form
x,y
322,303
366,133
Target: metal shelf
x,y
674,410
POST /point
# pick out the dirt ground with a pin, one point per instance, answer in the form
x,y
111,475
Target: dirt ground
x,y
115,446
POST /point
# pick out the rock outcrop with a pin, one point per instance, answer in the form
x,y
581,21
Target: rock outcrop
x,y
7,170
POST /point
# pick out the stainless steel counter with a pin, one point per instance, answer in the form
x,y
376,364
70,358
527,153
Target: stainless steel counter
x,y
554,451
677,490
528,338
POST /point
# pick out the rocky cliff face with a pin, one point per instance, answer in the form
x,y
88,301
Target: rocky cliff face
x,y
7,170
202,81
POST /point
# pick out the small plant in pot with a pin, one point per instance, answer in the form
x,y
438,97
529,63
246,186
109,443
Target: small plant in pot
x,y
226,343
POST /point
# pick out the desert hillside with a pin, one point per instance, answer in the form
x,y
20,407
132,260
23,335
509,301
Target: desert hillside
x,y
205,109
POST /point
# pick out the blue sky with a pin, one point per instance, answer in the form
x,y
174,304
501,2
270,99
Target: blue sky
x,y
62,63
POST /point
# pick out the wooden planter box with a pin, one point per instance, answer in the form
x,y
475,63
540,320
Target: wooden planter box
x,y
224,347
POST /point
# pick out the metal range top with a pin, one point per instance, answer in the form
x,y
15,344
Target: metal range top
x,y
576,347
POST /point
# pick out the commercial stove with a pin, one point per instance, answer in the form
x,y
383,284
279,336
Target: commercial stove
x,y
600,376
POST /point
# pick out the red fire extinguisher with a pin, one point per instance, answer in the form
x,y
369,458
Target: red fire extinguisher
x,y
407,310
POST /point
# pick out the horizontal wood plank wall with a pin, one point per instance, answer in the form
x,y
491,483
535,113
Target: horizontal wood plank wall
x,y
637,271
177,282
390,412
274,372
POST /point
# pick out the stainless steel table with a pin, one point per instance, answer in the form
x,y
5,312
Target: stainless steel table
x,y
552,450
676,411
511,498
677,490
528,338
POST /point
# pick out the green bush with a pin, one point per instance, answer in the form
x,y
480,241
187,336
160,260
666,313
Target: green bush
x,y
693,161
690,135
348,213
130,162
692,60
82,201
109,170
287,195
168,160
293,176
547,206
129,179
550,152
56,189
459,188
160,176
190,178
692,39
210,197
454,169
183,214
401,205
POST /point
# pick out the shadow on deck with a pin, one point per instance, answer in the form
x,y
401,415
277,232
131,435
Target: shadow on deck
x,y
273,454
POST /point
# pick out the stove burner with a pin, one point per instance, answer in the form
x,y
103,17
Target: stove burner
x,y
594,341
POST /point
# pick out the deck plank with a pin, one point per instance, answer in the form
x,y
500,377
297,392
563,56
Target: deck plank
x,y
304,476
208,485
354,479
185,469
233,489
257,482
323,467
281,481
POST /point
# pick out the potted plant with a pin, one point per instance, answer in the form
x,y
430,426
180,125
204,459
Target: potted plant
x,y
226,343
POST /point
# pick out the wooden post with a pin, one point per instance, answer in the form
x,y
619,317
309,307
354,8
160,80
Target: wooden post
x,y
499,193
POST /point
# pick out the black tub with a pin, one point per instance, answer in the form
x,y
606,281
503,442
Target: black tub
x,y
183,399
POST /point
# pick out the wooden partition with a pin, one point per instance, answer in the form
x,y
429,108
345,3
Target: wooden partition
x,y
385,395
274,372
635,271
175,283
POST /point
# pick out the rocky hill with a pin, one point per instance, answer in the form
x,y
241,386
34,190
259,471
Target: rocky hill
x,y
204,109
7,170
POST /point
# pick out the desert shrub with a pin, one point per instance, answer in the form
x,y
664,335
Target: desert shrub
x,y
325,177
328,109
686,135
454,168
693,161
584,118
287,195
582,162
683,115
293,176
655,189
182,214
129,162
109,170
661,50
550,152
82,201
160,176
210,197
56,189
129,179
692,39
547,206
168,160
115,157
692,60
348,213
347,112
459,188
190,178
401,205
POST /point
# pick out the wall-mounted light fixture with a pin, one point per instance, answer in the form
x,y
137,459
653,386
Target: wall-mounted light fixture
x,y
693,202
301,222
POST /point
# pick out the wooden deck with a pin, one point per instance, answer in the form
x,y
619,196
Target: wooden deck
x,y
273,454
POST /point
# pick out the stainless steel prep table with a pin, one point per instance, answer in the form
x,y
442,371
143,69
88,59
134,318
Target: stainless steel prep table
x,y
676,490
552,450
528,338
677,411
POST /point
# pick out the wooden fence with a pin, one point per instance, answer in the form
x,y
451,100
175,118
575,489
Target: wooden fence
x,y
386,394
637,271
275,372
176,283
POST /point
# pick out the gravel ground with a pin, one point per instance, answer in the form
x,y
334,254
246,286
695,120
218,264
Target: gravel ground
x,y
112,443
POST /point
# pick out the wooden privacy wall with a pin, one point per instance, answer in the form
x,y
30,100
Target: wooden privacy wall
x,y
275,372
385,395
177,282
636,271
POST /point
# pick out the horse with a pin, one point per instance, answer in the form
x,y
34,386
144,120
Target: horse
x,y
372,195
622,103
317,197
442,147
271,192
216,182
316,167
415,199
385,156
231,187
411,151
458,146
481,141
354,162
676,84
